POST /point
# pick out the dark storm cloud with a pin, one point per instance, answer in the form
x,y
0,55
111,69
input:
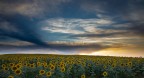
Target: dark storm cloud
x,y
56,46
20,30
15,22
94,46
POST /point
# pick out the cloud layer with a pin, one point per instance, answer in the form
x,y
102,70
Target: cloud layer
x,y
72,24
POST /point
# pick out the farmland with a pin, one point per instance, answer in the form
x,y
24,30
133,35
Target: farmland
x,y
70,66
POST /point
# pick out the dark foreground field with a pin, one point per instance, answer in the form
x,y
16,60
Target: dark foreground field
x,y
70,66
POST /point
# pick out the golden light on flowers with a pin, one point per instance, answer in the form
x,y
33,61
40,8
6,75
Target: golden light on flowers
x,y
105,74
83,76
41,72
18,72
10,76
48,74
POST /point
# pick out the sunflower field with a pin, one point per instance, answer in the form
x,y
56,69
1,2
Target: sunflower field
x,y
70,66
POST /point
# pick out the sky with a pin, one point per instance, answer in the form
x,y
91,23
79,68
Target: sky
x,y
72,27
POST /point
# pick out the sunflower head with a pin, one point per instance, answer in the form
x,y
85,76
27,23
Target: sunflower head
x,y
10,76
38,63
5,68
18,66
122,65
45,63
18,72
3,65
105,74
11,64
105,67
32,65
41,72
62,69
129,64
14,68
45,66
25,64
62,65
113,65
48,74
52,67
83,76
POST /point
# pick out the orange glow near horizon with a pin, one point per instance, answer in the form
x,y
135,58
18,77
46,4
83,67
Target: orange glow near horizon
x,y
115,52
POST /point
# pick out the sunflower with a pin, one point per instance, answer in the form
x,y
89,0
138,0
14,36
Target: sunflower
x,y
14,68
25,64
18,66
20,63
105,67
122,65
52,67
5,68
61,62
10,76
113,65
32,65
44,63
62,69
48,74
11,64
83,76
3,65
38,63
28,65
62,65
129,64
105,74
45,66
89,64
83,64
41,72
18,72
